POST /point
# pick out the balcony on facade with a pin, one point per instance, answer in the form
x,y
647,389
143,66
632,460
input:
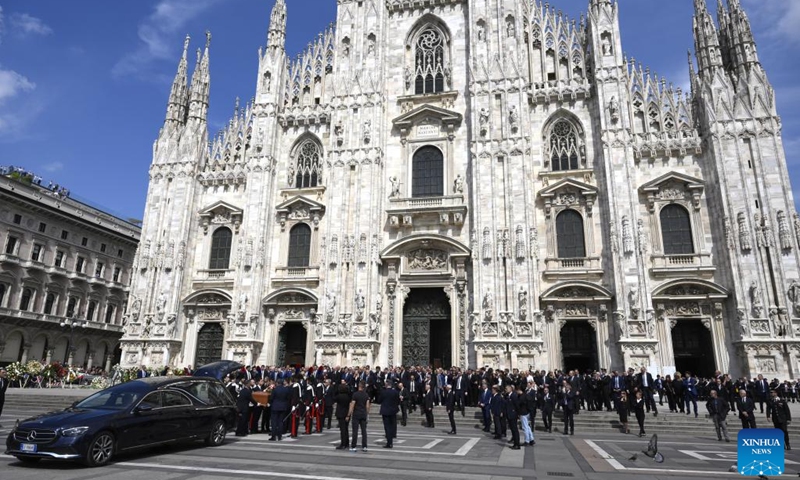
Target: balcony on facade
x,y
293,276
26,318
9,258
445,210
681,265
210,278
572,267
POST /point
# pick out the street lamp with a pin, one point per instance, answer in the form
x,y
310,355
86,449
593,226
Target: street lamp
x,y
72,324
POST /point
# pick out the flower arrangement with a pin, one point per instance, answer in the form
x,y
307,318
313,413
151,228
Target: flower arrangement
x,y
99,383
33,367
16,371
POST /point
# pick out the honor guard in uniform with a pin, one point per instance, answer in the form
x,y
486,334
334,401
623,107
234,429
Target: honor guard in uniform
x,y
298,407
778,411
310,404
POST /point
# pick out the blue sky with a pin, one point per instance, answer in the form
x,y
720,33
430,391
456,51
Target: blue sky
x,y
84,85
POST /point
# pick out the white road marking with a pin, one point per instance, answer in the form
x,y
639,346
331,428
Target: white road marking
x,y
461,452
228,472
467,447
618,466
721,456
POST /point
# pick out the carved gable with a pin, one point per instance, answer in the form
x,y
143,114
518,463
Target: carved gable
x,y
673,187
568,193
428,121
221,213
300,208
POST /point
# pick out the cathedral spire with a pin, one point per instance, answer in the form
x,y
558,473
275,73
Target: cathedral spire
x,y
178,96
740,37
706,38
201,80
276,38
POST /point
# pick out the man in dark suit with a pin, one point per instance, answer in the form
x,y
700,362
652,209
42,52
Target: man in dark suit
x,y
512,414
461,387
450,405
746,408
644,382
778,411
761,391
142,373
483,402
496,406
568,405
280,401
618,385
718,411
547,404
328,398
3,388
427,404
243,402
390,405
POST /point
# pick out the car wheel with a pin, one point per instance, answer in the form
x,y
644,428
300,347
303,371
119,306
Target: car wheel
x,y
29,460
101,448
217,435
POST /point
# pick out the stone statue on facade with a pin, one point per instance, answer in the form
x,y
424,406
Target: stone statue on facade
x,y
744,323
242,306
513,117
622,324
613,109
172,321
330,300
458,184
136,308
342,328
374,325
756,300
488,304
633,298
360,305
395,183
794,297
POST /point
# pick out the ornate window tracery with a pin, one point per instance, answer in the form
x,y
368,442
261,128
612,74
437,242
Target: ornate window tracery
x,y
429,61
308,165
565,146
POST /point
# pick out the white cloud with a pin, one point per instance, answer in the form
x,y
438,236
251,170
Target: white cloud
x,y
25,24
53,167
12,83
158,36
775,19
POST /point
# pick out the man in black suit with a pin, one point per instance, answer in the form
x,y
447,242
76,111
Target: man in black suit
x,y
461,387
3,388
746,408
142,373
279,402
547,403
427,404
243,402
778,411
496,406
761,391
390,405
512,414
328,397
567,403
644,380
450,405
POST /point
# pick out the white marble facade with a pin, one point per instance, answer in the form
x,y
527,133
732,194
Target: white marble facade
x,y
554,166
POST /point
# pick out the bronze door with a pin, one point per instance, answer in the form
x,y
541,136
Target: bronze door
x,y
209,344
426,328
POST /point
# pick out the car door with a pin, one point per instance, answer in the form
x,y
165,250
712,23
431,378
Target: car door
x,y
143,423
177,412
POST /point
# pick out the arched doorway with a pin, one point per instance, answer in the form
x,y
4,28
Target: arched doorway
x,y
693,348
209,344
292,344
579,346
427,332
13,348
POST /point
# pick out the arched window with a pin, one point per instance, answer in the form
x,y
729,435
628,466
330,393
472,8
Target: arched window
x,y
429,64
308,164
110,309
71,305
3,290
90,311
569,235
48,303
676,230
299,246
565,146
25,300
427,172
220,249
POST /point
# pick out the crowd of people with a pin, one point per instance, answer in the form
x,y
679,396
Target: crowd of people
x,y
34,179
307,399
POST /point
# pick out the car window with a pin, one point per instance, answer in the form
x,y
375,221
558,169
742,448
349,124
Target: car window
x,y
109,399
218,394
175,399
209,393
152,400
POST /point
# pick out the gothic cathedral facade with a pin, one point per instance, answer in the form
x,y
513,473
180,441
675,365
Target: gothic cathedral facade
x,y
469,183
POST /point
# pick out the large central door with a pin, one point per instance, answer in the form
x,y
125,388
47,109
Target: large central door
x,y
427,333
292,344
209,344
579,346
693,348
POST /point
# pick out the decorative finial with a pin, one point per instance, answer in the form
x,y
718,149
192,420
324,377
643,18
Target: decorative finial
x,y
186,43
208,38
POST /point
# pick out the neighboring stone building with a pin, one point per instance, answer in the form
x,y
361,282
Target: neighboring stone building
x,y
62,262
469,183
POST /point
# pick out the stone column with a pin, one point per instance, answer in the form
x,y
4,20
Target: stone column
x,y
49,355
25,350
109,358
71,356
89,359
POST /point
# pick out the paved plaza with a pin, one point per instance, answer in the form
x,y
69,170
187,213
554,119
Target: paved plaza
x,y
418,453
